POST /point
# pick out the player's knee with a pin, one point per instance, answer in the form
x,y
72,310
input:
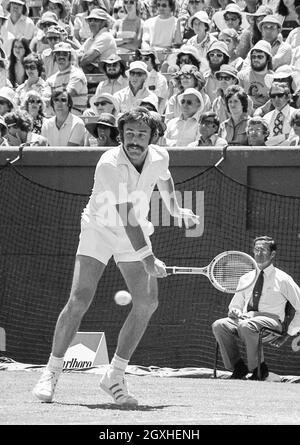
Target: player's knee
x,y
147,303
80,300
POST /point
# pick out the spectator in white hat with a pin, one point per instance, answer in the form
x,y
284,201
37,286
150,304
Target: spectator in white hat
x,y
184,129
226,76
202,39
39,42
98,47
217,55
131,96
17,21
156,82
69,77
81,28
271,28
53,36
253,78
230,17
7,100
232,40
6,36
186,10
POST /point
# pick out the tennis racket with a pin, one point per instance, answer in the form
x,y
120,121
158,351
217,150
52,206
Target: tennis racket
x,y
229,272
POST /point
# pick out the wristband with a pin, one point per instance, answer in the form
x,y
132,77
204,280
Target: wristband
x,y
144,252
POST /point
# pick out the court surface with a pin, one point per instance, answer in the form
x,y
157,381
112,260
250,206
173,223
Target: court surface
x,y
167,401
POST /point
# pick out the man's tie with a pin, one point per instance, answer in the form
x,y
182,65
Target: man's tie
x,y
278,124
254,300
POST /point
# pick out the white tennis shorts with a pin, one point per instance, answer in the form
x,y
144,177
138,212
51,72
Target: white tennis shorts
x,y
102,244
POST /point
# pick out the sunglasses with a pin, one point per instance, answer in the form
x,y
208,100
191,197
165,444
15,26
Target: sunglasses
x,y
227,78
34,101
102,103
44,25
137,73
4,102
208,123
230,19
187,101
195,2
162,5
186,76
62,99
30,67
53,38
270,27
254,131
185,61
257,56
146,58
215,55
129,2
279,95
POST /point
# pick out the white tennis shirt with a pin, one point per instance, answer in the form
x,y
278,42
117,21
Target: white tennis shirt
x,y
117,181
277,289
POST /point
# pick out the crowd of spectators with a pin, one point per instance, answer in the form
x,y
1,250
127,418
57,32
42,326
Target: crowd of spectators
x,y
213,72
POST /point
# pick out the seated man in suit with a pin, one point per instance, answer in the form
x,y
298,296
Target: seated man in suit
x,y
261,305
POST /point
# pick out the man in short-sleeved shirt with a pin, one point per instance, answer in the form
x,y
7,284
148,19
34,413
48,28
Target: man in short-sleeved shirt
x,y
98,47
17,22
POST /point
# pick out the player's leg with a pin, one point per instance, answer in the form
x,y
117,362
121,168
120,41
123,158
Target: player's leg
x,y
144,292
87,272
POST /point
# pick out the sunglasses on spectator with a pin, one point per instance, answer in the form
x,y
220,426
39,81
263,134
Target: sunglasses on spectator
x,y
30,67
162,5
44,25
4,102
53,38
62,99
129,2
270,27
195,2
257,56
187,101
34,101
279,95
186,76
102,103
254,131
220,77
146,58
185,61
215,55
137,73
207,123
228,18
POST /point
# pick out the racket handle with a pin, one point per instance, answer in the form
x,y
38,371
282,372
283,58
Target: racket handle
x,y
170,270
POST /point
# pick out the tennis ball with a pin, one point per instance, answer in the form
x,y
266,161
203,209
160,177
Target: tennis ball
x,y
122,297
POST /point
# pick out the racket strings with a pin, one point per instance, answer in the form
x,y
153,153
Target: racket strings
x,y
228,270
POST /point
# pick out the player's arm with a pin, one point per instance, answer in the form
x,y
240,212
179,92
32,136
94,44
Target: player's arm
x,y
152,265
168,194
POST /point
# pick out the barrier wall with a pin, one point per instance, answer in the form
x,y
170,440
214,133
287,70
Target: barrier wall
x,y
40,223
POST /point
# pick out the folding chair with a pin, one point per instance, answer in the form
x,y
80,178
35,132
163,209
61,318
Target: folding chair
x,y
273,334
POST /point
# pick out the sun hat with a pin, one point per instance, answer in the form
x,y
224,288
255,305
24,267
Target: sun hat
x,y
53,30
202,16
48,17
189,49
98,14
234,9
105,119
227,69
221,46
8,94
62,47
137,65
18,2
270,19
262,45
152,100
147,52
2,15
262,10
196,93
113,58
107,96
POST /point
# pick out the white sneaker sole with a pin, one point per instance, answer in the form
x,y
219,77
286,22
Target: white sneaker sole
x,y
42,397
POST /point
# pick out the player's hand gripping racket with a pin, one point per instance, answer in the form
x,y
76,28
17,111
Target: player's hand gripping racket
x,y
230,271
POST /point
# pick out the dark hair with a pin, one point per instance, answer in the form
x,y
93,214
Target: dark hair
x,y
193,60
122,68
172,4
13,60
269,58
210,114
236,13
266,239
20,119
138,114
35,58
258,120
282,9
57,93
36,94
241,94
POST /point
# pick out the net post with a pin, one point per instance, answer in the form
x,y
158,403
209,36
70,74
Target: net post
x,y
223,157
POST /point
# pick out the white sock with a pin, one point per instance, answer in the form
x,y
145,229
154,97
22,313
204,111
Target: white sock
x,y
55,363
118,365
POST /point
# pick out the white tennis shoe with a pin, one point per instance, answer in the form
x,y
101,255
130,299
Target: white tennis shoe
x,y
116,387
45,387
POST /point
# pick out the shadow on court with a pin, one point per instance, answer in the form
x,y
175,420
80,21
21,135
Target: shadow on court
x,y
114,407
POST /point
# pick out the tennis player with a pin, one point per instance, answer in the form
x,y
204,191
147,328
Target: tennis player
x,y
114,223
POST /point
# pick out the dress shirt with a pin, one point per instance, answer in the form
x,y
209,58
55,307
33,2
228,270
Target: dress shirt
x,y
278,288
181,132
24,27
126,100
